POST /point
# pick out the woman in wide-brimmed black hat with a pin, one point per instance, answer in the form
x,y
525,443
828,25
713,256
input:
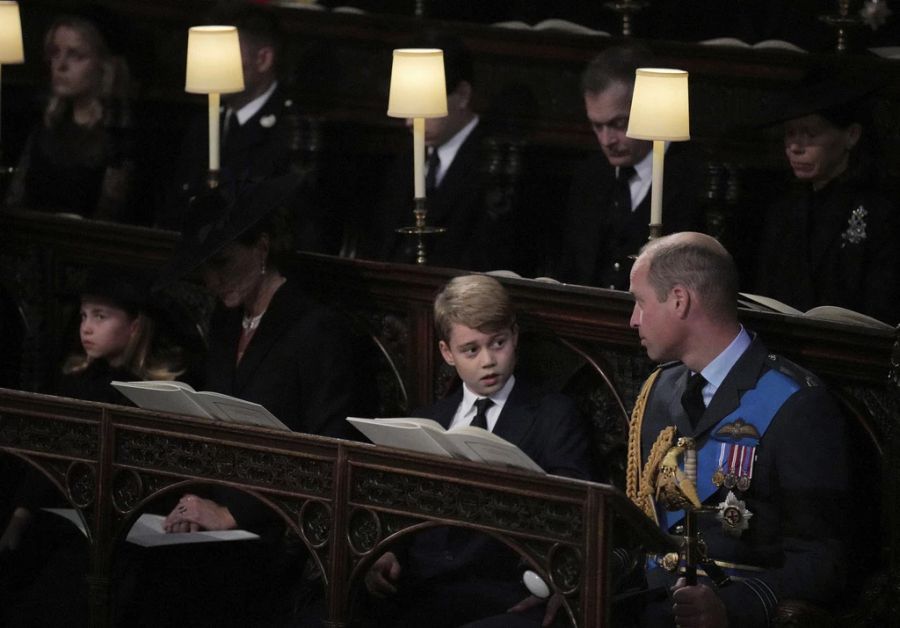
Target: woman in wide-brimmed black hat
x,y
268,343
831,240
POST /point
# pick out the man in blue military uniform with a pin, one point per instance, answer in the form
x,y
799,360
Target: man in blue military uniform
x,y
755,439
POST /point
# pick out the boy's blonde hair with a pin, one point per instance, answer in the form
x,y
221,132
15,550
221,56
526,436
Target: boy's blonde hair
x,y
475,301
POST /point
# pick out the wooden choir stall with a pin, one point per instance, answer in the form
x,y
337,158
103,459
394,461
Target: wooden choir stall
x,y
347,501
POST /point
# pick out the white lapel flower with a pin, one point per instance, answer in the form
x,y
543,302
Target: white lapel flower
x,y
267,122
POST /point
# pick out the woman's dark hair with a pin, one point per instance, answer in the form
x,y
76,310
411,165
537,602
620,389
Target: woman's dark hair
x,y
277,225
864,165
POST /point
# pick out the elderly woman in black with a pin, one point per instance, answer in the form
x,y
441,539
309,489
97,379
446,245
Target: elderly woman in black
x,y
831,240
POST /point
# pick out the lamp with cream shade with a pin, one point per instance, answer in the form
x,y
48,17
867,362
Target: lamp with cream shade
x,y
660,112
11,50
418,91
213,68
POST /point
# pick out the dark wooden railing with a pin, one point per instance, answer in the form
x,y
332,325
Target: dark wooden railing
x,y
578,340
346,501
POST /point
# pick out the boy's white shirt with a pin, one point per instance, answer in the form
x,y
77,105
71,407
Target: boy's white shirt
x,y
465,412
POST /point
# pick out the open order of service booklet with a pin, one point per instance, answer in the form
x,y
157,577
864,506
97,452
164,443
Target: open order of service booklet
x,y
429,437
148,531
180,398
832,313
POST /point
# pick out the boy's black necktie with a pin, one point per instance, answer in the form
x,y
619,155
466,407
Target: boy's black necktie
x,y
482,406
692,398
622,197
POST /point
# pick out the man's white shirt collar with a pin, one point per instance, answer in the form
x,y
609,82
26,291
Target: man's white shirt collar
x,y
447,151
716,371
639,184
251,108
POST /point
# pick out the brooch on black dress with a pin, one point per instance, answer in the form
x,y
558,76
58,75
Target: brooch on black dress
x,y
856,226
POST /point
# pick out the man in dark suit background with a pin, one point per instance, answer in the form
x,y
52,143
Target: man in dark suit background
x,y
254,137
769,441
260,136
609,203
458,185
445,577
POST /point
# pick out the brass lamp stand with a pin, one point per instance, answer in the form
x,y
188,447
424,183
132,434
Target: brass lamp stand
x,y
420,230
659,113
626,9
213,68
843,23
418,91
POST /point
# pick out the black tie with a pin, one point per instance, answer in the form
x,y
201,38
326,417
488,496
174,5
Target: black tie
x,y
622,197
482,406
434,164
692,398
230,125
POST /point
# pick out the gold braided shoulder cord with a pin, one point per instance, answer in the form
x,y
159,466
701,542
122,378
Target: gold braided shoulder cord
x,y
640,486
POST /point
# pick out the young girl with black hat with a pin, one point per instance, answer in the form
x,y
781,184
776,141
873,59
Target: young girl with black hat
x,y
118,340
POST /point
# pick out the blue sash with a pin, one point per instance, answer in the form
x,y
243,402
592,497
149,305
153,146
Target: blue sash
x,y
758,407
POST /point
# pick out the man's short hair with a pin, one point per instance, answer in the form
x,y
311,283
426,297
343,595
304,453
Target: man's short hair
x,y
256,25
615,65
475,301
700,264
458,65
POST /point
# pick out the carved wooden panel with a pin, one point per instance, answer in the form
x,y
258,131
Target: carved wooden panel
x,y
341,498
581,343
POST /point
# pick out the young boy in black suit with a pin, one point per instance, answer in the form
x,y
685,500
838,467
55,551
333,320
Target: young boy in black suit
x,y
446,577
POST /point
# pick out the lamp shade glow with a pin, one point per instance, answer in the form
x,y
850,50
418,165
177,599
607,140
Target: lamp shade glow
x,y
418,88
11,50
213,61
659,105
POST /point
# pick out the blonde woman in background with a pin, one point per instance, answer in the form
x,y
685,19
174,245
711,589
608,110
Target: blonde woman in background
x,y
79,158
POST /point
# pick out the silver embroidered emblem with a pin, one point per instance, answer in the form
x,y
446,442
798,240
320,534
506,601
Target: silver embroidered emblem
x,y
856,226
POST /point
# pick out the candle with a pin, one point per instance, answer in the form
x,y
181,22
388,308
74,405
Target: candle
x,y
656,189
419,156
660,110
214,131
213,68
11,50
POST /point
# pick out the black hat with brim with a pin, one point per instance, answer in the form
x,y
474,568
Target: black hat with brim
x,y
220,216
132,290
125,288
837,97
